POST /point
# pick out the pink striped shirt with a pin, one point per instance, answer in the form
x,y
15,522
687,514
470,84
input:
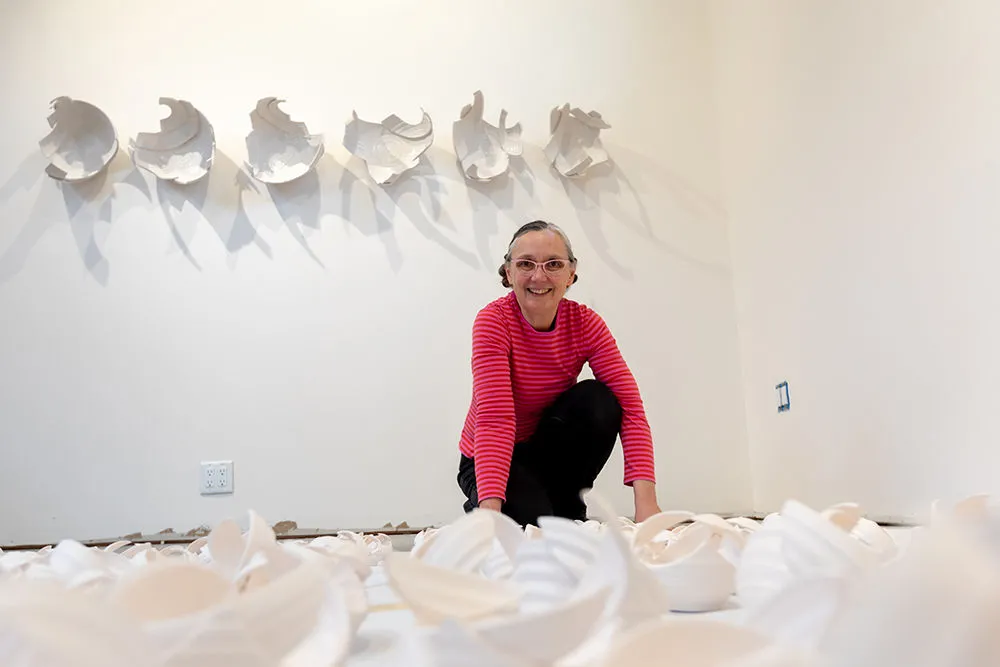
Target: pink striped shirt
x,y
518,371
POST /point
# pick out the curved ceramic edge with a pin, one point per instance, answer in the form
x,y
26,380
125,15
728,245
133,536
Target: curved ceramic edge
x,y
637,594
391,147
435,594
182,151
646,531
575,146
544,637
462,546
82,141
279,150
43,623
484,150
856,553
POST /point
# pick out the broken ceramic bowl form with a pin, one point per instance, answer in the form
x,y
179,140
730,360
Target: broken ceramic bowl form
x,y
338,547
42,623
522,640
575,146
636,594
279,150
698,567
389,148
484,150
979,513
192,614
801,543
184,148
937,605
435,594
82,142
462,546
480,541
374,547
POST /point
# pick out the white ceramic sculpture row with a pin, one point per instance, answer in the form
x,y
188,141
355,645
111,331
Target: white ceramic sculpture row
x,y
83,141
802,588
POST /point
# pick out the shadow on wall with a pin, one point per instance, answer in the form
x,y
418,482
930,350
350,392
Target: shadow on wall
x,y
510,195
610,188
418,196
371,219
604,199
219,199
84,206
299,204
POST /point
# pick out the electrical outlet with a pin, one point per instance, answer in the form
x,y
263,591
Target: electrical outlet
x,y
216,477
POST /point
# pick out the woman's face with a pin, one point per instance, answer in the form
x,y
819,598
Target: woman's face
x,y
539,289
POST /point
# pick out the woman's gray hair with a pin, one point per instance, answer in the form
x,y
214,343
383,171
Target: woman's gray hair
x,y
536,226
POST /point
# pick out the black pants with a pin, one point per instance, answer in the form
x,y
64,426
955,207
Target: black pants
x,y
568,450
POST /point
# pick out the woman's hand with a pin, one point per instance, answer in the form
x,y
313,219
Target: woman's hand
x,y
645,500
490,504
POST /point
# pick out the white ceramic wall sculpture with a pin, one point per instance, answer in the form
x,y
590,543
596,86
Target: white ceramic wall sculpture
x,y
82,142
575,142
184,148
279,150
484,150
388,148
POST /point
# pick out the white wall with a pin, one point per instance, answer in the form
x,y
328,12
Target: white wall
x,y
860,159
319,336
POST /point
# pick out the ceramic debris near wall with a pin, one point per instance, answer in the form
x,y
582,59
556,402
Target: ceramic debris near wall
x,y
802,588
184,148
390,147
82,142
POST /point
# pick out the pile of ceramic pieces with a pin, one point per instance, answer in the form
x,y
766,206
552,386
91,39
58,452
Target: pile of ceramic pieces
x,y
231,598
805,588
802,588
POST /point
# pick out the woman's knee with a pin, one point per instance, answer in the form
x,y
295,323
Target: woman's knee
x,y
600,404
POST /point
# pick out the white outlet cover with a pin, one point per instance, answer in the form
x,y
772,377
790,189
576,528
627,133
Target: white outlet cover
x,y
216,478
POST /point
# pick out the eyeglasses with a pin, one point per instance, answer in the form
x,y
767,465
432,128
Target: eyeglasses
x,y
550,266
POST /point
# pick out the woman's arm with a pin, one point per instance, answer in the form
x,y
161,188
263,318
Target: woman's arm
x,y
609,367
495,422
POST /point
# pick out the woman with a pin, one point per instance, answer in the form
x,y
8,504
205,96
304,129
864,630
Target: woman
x,y
534,436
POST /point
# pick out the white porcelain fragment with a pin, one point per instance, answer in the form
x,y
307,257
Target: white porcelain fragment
x,y
802,543
698,567
522,640
44,624
346,548
508,538
801,613
544,581
937,605
184,148
279,150
462,546
435,594
193,615
484,150
636,593
82,141
573,544
575,143
391,147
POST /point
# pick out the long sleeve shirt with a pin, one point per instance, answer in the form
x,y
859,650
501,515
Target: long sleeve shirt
x,y
518,371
